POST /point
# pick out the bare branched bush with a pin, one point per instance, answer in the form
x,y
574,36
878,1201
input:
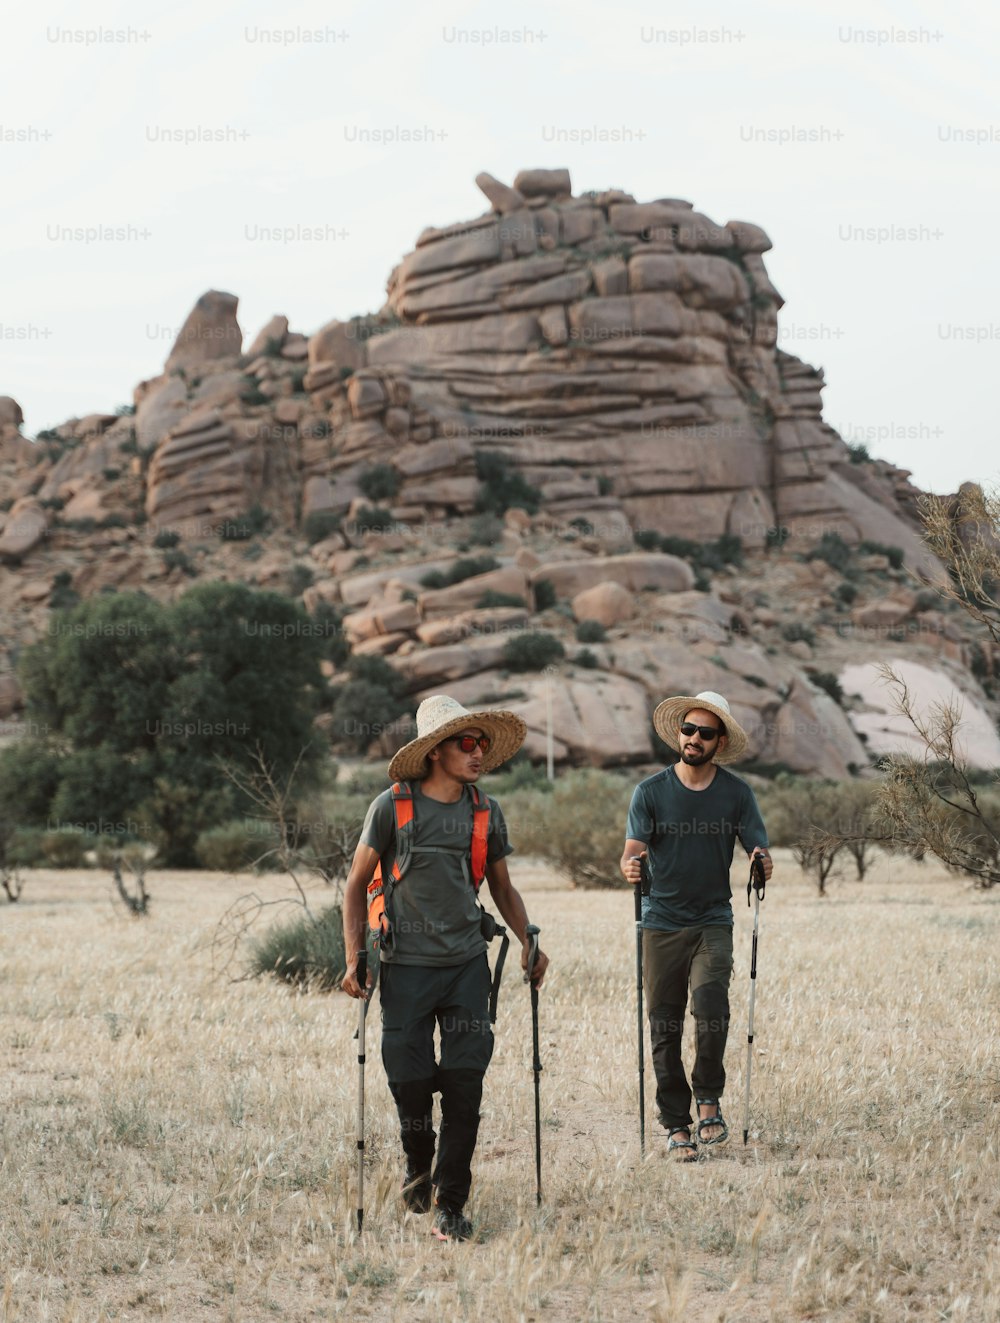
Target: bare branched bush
x,y
929,803
128,865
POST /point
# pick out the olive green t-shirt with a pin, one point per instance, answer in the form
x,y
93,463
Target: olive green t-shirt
x,y
433,910
691,836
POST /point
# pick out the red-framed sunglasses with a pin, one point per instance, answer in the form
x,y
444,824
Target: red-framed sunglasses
x,y
468,742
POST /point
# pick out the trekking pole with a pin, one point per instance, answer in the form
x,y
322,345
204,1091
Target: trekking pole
x,y
756,884
362,977
640,890
532,931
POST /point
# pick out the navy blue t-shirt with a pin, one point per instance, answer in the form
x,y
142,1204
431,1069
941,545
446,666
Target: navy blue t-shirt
x,y
691,836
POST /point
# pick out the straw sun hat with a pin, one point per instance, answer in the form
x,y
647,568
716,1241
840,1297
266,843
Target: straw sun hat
x,y
440,716
672,711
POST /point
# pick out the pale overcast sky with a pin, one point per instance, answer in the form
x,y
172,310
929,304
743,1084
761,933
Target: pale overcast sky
x,y
864,137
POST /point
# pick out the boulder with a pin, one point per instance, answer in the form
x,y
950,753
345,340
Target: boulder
x,y
338,343
381,618
436,666
501,197
466,595
607,602
543,183
25,526
210,331
882,614
271,335
10,413
663,573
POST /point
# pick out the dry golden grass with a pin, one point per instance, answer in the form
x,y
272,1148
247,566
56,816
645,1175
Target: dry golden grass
x,y
183,1148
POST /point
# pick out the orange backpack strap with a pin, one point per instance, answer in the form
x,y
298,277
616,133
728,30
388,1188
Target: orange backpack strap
x,y
480,832
378,891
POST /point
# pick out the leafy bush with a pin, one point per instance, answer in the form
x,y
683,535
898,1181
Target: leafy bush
x,y
587,659
647,539
24,848
368,704
500,488
531,652
233,847
304,950
845,593
467,567
834,550
590,631
380,482
319,525
63,594
245,526
859,454
165,539
492,598
374,519
827,681
545,595
65,847
176,559
485,530
579,827
797,632
702,556
300,577
894,555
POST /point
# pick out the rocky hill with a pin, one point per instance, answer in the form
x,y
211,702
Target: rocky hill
x,y
603,376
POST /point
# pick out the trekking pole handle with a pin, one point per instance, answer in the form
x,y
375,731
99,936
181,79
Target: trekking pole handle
x,y
361,970
757,879
532,931
644,878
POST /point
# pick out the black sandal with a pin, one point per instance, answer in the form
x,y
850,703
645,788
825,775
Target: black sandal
x,y
675,1144
717,1119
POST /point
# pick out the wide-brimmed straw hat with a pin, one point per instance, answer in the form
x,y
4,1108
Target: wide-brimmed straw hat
x,y
672,711
440,716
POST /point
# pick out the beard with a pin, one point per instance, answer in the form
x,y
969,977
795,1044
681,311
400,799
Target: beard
x,y
696,759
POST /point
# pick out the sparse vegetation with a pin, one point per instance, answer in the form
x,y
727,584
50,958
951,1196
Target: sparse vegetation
x,y
501,487
531,652
380,482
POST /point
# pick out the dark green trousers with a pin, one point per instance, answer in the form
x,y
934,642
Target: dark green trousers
x,y
699,959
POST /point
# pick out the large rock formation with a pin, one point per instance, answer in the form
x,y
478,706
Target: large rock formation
x,y
617,357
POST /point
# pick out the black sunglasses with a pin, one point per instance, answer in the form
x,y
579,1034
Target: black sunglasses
x,y
706,732
468,742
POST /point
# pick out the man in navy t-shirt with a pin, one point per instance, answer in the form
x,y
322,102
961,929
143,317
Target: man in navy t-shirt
x,y
685,822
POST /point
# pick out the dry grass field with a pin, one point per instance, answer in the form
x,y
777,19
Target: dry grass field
x,y
180,1147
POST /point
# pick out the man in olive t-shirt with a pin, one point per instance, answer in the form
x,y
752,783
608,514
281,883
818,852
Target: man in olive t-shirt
x,y
684,822
434,971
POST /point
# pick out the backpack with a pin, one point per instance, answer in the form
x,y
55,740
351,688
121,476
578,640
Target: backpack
x,y
380,888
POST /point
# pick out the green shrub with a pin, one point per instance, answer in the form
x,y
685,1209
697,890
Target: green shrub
x,y
380,482
368,704
590,631
845,593
374,519
777,536
579,826
797,632
300,577
587,659
24,848
647,539
545,594
110,474
859,454
467,567
828,682
501,488
834,550
165,539
253,395
485,530
894,555
304,950
500,599
175,559
319,525
245,526
63,594
531,652
65,847
233,847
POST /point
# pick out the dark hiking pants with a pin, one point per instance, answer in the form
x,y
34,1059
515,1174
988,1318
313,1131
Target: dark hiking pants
x,y
702,959
415,998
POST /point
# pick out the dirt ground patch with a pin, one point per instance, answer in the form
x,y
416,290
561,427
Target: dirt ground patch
x,y
181,1147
